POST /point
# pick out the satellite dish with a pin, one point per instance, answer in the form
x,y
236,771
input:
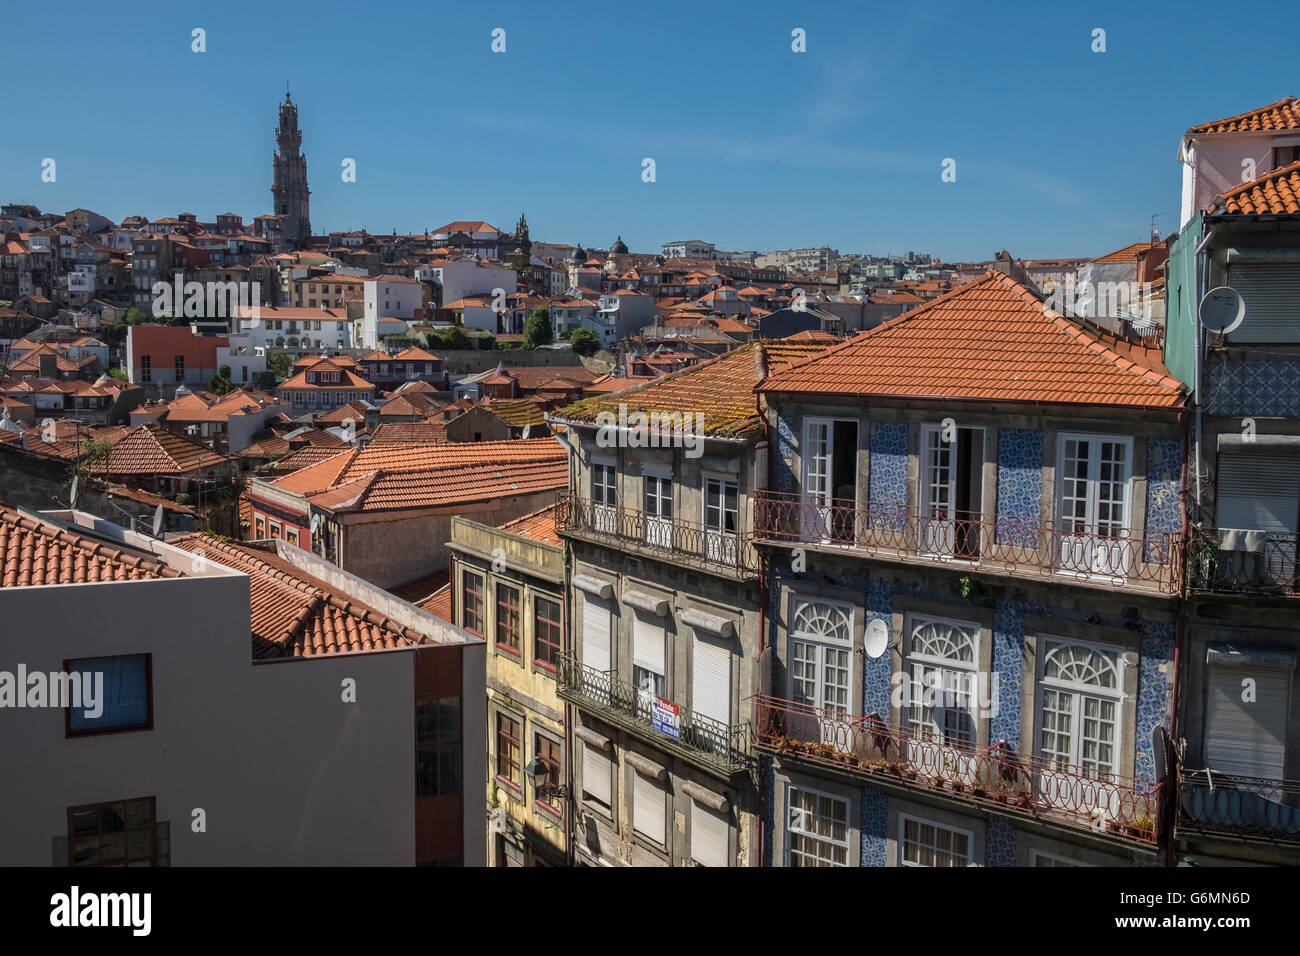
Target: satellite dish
x,y
877,640
1222,310
315,523
157,521
72,495
527,429
1160,751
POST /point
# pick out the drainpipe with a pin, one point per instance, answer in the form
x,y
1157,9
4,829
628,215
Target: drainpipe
x,y
1200,349
765,445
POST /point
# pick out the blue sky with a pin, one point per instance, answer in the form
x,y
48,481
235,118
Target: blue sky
x,y
1059,151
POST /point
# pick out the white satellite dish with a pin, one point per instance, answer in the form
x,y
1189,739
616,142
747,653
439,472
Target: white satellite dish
x,y
877,639
157,521
315,523
1222,310
72,495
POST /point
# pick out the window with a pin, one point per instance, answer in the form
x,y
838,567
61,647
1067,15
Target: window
x,y
146,368
649,809
180,368
508,619
1093,496
923,843
121,690
710,836
546,632
549,753
951,493
817,829
721,520
597,777
1051,859
604,496
275,528
1247,737
821,640
471,614
649,667
1080,700
508,736
942,660
112,834
1285,156
259,528
437,747
291,535
658,510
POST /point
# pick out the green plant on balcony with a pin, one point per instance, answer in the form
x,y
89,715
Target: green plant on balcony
x,y
1144,823
978,787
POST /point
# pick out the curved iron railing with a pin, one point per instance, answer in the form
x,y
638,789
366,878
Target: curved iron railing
x,y
671,537
998,775
1235,561
1006,545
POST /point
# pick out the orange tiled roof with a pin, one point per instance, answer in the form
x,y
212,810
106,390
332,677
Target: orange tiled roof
x,y
1276,193
292,614
991,340
440,604
33,553
1128,254
316,476
722,390
310,454
540,526
445,485
1284,114
152,450
433,430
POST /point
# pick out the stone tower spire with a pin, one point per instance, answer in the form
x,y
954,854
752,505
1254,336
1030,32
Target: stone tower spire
x,y
289,177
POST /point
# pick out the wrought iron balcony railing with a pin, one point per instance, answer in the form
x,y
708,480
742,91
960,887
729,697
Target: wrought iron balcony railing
x,y
699,738
996,776
1230,805
1229,560
669,538
1006,545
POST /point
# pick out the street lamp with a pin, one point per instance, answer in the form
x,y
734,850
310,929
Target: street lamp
x,y
537,771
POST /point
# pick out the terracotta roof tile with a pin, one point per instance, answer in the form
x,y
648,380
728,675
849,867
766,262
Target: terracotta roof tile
x,y
1276,193
153,450
991,340
34,553
1284,114
540,526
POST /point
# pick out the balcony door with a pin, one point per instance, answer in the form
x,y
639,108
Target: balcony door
x,y
649,661
821,666
1094,488
658,510
942,657
604,497
952,491
830,485
597,657
1080,704
721,521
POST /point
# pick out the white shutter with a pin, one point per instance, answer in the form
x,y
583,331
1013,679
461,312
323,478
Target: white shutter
x,y
710,836
1258,493
649,808
648,640
595,634
597,772
1246,737
1271,292
711,677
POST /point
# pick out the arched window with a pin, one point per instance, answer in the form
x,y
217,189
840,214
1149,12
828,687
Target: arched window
x,y
820,657
942,657
1080,706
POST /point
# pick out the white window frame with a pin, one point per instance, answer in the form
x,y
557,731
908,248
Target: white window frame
x,y
1045,644
1100,559
1055,859
789,831
658,527
904,819
720,545
821,643
965,672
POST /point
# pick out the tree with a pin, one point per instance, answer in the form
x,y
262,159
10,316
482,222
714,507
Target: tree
x,y
450,338
221,383
537,330
135,317
486,341
585,342
277,362
118,373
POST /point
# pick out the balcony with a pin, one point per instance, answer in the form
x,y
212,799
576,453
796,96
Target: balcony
x,y
997,777
1010,546
1231,561
1252,808
702,741
667,539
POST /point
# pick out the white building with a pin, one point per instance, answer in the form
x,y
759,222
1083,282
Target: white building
x,y
294,330
459,278
623,312
688,249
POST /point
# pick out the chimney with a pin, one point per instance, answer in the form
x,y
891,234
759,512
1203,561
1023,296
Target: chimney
x,y
760,363
49,363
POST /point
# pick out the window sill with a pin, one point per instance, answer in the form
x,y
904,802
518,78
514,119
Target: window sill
x,y
511,788
543,665
510,652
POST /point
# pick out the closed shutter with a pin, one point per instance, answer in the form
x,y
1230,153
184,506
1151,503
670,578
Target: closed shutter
x,y
596,774
595,634
649,808
710,836
648,639
711,678
1258,493
1271,292
1246,737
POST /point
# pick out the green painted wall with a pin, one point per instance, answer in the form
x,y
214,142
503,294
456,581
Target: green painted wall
x,y
1180,305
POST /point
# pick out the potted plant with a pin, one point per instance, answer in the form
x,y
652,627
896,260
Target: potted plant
x,y
978,787
1003,792
909,772
1144,824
